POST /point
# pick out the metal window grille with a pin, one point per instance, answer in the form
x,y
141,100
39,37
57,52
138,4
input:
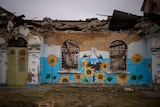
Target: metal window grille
x,y
118,56
70,54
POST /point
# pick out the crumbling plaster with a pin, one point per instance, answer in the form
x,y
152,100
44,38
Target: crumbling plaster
x,y
32,38
86,41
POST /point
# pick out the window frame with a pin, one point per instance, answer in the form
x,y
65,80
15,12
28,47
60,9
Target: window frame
x,y
120,46
72,55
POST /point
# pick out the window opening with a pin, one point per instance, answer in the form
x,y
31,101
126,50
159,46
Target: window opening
x,y
70,54
118,56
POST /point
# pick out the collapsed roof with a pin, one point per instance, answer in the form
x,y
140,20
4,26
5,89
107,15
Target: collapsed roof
x,y
117,22
122,21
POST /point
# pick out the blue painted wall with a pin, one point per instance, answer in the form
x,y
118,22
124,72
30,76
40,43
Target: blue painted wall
x,y
98,70
138,73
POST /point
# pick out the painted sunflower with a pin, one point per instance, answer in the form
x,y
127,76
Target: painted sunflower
x,y
122,78
100,76
84,63
104,66
149,65
78,77
64,79
137,58
52,60
89,71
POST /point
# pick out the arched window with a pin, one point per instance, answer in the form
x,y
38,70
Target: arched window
x,y
17,42
118,56
70,54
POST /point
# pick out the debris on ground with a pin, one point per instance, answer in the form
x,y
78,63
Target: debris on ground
x,y
79,95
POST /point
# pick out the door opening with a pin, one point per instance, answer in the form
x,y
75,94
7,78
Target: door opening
x,y
17,61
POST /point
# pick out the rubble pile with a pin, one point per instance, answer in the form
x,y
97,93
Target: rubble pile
x,y
120,21
145,26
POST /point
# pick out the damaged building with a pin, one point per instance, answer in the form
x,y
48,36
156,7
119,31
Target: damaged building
x,y
122,50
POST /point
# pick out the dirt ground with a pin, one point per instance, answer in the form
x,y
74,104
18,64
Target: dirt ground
x,y
80,95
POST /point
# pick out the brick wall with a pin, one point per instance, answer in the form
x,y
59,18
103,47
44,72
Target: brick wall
x,y
101,41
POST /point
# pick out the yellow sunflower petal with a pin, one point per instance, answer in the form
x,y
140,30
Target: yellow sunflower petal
x,y
149,65
64,79
89,71
78,77
84,63
122,78
52,60
104,66
100,76
137,58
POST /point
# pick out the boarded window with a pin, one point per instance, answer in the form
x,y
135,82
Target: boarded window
x,y
70,54
118,55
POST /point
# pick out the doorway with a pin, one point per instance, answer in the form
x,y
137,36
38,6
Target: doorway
x,y
17,62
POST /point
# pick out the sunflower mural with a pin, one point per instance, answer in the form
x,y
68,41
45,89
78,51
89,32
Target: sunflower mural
x,y
149,65
122,78
89,71
77,77
100,77
52,60
136,59
84,63
104,66
65,79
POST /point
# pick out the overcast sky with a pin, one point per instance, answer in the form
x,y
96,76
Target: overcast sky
x,y
70,9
